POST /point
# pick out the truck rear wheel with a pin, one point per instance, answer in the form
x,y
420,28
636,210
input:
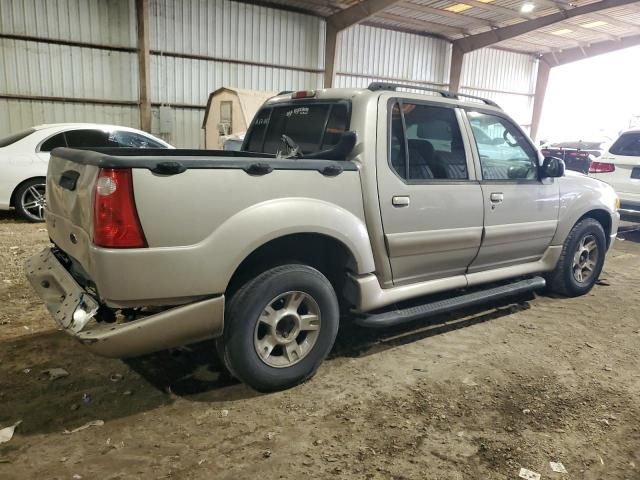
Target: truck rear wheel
x,y
279,327
581,260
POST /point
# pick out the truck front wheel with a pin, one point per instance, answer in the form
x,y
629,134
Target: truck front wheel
x,y
279,327
581,260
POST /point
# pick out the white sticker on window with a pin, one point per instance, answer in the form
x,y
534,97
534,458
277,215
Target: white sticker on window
x,y
298,111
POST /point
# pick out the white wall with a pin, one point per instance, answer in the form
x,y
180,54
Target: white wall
x,y
507,78
199,46
367,54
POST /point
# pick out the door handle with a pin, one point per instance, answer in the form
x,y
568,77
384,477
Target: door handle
x,y
400,201
497,197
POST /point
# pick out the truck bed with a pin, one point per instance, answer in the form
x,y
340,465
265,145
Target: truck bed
x,y
202,213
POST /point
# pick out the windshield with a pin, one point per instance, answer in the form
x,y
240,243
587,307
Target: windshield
x,y
314,126
11,139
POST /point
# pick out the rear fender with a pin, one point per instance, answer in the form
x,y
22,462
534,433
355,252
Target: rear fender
x,y
255,226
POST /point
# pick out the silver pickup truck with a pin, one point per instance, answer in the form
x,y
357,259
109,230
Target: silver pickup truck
x,y
352,204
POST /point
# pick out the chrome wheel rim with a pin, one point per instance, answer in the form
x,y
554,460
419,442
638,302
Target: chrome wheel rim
x,y
585,259
287,329
33,201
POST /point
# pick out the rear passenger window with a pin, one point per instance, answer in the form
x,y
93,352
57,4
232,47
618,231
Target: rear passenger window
x,y
628,145
53,142
89,139
426,143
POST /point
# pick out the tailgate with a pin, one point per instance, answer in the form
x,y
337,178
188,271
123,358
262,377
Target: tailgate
x,y
70,202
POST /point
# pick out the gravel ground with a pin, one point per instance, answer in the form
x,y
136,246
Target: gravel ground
x,y
474,395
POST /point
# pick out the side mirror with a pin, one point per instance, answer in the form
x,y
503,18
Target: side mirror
x,y
552,167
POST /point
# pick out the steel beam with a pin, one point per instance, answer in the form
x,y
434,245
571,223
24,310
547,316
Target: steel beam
x,y
542,80
343,19
358,13
574,54
484,39
455,71
330,44
144,67
424,9
423,25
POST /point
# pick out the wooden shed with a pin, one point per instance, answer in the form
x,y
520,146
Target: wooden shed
x,y
229,111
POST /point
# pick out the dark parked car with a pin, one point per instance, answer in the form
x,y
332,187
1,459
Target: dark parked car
x,y
577,155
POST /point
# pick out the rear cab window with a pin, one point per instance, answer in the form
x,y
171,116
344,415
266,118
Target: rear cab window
x,y
314,126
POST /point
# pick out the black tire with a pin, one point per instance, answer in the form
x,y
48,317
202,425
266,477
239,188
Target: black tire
x,y
562,279
241,330
25,197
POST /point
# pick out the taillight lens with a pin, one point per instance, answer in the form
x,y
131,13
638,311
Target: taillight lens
x,y
601,167
115,219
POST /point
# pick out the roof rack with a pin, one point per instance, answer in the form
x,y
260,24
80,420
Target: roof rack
x,y
374,86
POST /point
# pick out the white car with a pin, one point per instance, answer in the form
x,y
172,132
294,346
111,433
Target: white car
x,y
24,157
619,166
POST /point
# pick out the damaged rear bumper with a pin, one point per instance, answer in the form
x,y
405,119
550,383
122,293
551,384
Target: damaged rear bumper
x,y
73,309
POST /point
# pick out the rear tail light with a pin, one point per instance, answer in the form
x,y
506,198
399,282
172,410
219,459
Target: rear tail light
x,y
115,219
601,167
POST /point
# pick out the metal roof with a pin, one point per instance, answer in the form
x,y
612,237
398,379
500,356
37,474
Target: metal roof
x,y
452,19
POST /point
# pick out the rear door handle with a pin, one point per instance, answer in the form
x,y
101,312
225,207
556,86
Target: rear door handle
x,y
400,201
497,197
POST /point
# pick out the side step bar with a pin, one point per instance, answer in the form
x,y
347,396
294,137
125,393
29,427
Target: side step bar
x,y
396,317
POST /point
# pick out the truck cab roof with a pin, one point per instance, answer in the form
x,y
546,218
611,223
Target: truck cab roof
x,y
376,90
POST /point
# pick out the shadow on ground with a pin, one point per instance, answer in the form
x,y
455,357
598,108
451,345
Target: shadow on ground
x,y
10,216
197,369
106,389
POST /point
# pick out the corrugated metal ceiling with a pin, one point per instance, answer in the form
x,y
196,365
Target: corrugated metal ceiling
x,y
483,15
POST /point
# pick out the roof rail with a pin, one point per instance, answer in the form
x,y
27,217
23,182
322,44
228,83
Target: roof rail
x,y
284,92
374,86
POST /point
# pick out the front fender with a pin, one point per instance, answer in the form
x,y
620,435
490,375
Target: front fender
x,y
253,227
580,195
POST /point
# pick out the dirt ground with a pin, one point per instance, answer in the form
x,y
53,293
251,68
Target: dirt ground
x,y
473,395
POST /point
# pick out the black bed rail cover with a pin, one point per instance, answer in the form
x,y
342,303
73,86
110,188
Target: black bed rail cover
x,y
181,160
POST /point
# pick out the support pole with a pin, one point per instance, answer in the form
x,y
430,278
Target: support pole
x,y
331,42
352,15
542,81
455,72
142,18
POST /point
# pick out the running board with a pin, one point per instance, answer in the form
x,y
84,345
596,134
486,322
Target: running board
x,y
396,317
